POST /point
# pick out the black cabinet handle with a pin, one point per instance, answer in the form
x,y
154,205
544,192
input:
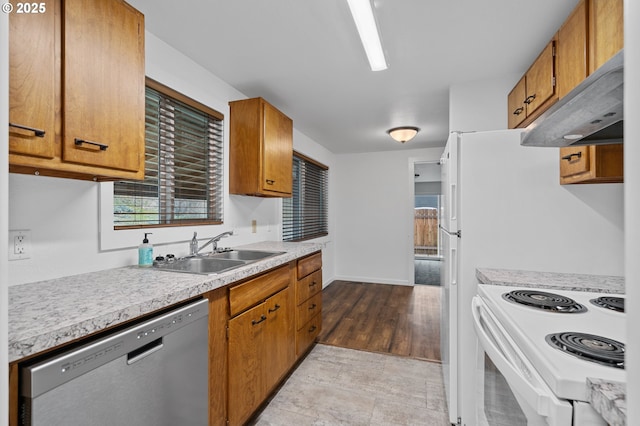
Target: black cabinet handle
x,y
312,329
530,99
270,181
570,156
262,318
102,146
518,111
313,283
275,308
312,306
39,133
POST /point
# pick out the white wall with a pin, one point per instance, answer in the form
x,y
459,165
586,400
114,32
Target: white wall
x,y
70,220
480,105
374,215
4,213
632,204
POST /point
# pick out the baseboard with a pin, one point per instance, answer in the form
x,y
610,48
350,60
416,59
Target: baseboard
x,y
371,280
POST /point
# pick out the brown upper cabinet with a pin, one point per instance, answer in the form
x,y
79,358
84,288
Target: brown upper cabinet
x,y
572,50
590,36
76,90
535,91
606,31
260,149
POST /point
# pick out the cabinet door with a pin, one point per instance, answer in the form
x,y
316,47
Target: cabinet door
x,y
246,385
279,339
592,164
103,90
277,159
32,82
572,50
540,80
516,105
606,31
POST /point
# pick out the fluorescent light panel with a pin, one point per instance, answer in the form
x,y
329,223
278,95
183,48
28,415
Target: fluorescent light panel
x,y
362,13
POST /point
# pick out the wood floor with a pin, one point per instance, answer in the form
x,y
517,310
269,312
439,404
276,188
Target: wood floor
x,y
392,319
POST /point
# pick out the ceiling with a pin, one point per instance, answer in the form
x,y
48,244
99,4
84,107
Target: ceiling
x,y
305,57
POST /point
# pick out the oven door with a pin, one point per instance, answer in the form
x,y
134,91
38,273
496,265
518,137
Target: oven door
x,y
510,391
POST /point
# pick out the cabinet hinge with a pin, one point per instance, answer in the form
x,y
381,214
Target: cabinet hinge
x,y
227,332
553,81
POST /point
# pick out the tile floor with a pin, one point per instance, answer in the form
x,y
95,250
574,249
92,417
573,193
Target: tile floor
x,y
427,271
338,386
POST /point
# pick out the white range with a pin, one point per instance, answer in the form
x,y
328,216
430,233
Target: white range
x,y
525,331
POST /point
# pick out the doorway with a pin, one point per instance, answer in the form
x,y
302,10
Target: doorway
x,y
426,236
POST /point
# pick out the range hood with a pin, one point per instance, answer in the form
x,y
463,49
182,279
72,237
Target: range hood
x,y
590,114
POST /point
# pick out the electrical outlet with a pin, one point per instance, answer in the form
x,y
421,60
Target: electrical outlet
x,y
19,244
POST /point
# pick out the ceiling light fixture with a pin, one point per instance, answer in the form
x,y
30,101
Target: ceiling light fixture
x,y
362,13
403,134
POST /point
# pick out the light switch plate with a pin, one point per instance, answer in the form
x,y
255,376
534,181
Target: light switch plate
x,y
20,244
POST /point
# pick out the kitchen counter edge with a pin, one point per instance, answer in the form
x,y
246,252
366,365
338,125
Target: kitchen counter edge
x,y
46,314
552,280
609,400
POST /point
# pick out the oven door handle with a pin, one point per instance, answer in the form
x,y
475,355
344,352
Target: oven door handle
x,y
516,369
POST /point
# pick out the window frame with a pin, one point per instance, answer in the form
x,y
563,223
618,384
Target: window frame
x,y
177,96
303,234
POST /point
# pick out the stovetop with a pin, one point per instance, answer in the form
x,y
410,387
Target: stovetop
x,y
530,327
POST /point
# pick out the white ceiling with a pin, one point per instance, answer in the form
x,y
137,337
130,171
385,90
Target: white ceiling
x,y
305,57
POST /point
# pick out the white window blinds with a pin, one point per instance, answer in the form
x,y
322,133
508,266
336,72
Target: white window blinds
x,y
183,181
305,214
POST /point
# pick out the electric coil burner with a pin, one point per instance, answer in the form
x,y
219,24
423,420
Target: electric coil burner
x,y
589,347
610,302
546,301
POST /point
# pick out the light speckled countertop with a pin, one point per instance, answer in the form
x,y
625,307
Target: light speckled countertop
x,y
607,398
551,280
49,313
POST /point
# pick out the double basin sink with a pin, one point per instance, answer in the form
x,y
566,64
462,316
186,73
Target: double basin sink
x,y
215,263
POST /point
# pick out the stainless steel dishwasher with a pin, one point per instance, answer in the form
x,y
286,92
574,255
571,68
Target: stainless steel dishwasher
x,y
150,374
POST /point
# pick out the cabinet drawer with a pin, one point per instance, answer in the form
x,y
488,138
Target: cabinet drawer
x,y
307,334
309,264
308,309
254,291
574,160
308,286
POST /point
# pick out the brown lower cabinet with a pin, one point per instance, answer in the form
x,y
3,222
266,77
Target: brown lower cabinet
x,y
261,351
257,332
261,342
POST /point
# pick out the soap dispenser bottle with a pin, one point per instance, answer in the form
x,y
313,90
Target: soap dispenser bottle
x,y
145,252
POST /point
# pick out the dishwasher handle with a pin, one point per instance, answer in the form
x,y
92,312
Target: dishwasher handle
x,y
144,351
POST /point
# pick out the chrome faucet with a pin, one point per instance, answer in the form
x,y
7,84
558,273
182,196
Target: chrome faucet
x,y
193,246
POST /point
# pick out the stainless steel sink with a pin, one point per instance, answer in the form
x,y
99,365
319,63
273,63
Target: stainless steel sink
x,y
215,263
244,255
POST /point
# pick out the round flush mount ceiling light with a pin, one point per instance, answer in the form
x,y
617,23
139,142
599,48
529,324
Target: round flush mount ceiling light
x,y
403,134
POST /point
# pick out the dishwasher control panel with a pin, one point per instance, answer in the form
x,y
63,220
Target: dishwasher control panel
x,y
41,376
